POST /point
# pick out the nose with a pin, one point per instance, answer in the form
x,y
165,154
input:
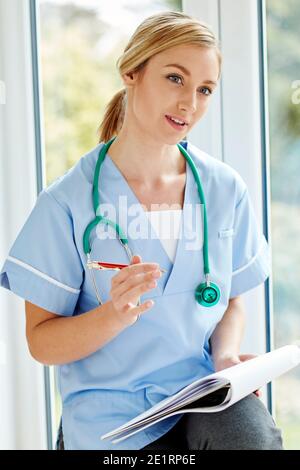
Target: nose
x,y
189,103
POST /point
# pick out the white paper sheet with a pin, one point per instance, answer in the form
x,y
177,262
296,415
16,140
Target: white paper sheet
x,y
241,380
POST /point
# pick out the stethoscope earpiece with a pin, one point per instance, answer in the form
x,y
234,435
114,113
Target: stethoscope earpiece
x,y
207,295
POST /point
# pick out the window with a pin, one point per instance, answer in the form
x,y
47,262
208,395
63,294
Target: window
x,y
283,36
80,41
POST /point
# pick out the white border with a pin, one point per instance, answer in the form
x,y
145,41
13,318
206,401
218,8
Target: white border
x,y
22,398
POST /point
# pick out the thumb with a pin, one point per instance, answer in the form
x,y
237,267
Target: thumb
x,y
136,259
247,357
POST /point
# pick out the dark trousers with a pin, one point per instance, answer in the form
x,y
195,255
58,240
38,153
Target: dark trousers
x,y
246,425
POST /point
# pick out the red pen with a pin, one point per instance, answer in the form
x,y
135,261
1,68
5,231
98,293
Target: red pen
x,y
104,265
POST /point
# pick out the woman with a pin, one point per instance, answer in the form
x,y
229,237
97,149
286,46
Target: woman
x,y
143,335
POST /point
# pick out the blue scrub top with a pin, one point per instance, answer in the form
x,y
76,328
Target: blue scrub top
x,y
168,347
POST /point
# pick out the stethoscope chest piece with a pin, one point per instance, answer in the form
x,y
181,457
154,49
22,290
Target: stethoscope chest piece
x,y
207,295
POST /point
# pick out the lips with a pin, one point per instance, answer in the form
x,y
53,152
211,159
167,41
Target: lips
x,y
177,127
178,119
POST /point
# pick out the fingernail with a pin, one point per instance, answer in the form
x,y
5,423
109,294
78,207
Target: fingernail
x,y
156,274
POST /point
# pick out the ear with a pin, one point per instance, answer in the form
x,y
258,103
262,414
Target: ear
x,y
129,79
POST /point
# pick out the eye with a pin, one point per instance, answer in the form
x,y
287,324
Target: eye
x,y
172,76
208,90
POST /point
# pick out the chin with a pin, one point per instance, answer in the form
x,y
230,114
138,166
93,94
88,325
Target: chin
x,y
174,140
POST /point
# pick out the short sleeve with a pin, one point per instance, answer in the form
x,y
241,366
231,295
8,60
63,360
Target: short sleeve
x,y
43,265
251,253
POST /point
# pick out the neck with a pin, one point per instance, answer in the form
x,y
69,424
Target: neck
x,y
145,160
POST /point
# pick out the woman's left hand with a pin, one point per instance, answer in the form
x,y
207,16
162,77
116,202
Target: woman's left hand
x,y
225,361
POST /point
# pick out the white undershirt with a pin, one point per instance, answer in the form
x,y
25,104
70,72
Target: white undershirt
x,y
166,224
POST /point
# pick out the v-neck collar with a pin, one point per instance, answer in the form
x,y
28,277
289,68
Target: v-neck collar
x,y
175,278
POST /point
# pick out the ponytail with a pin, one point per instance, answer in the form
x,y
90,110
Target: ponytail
x,y
113,116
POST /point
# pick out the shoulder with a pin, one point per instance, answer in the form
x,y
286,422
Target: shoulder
x,y
218,175
69,188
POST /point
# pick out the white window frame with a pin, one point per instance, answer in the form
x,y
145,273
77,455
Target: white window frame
x,y
22,385
235,130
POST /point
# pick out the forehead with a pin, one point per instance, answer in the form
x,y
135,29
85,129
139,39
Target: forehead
x,y
194,58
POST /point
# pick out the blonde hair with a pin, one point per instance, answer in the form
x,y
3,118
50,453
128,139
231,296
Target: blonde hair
x,y
155,34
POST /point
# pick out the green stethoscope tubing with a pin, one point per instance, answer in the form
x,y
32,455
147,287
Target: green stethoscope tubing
x,y
207,293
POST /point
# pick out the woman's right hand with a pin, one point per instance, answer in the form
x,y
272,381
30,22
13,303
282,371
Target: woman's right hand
x,y
128,285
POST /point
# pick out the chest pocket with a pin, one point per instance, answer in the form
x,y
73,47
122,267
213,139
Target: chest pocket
x,y
226,233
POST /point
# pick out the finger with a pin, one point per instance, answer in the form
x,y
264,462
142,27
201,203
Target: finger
x,y
246,357
133,269
140,309
135,280
136,259
136,291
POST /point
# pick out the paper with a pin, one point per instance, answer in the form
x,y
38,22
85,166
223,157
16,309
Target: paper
x,y
214,392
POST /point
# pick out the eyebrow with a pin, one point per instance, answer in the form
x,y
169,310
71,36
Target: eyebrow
x,y
186,71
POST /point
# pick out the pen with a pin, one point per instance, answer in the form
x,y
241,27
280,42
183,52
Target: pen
x,y
104,265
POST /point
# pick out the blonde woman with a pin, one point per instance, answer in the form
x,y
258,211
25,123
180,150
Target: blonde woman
x,y
122,340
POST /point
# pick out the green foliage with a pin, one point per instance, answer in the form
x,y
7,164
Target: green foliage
x,y
283,37
76,85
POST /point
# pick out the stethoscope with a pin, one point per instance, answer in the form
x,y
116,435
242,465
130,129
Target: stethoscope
x,y
207,293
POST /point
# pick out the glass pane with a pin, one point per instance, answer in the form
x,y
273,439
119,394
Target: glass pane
x,y
80,42
283,38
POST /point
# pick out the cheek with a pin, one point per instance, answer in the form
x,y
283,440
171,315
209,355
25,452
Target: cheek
x,y
203,106
148,104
